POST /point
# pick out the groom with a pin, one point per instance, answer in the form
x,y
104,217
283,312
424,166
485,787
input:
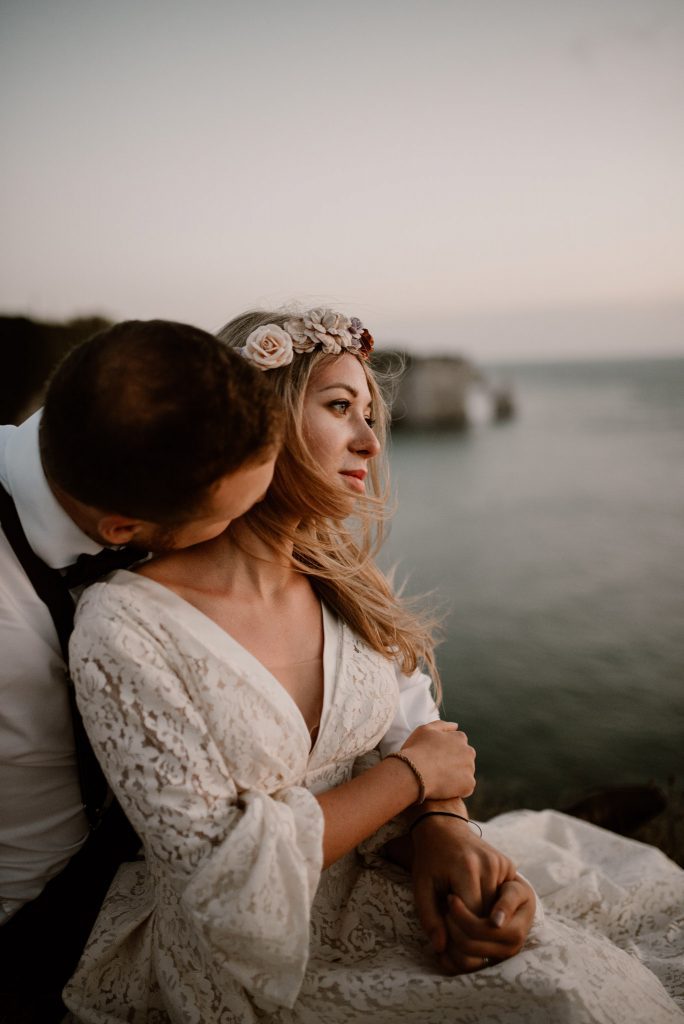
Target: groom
x,y
153,434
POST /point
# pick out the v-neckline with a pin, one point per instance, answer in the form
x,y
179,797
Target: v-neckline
x,y
329,654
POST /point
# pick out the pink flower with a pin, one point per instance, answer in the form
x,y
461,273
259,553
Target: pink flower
x,y
268,347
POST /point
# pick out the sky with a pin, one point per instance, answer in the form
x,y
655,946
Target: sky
x,y
496,177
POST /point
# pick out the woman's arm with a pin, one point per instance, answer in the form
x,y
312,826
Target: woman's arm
x,y
358,808
446,857
162,761
244,865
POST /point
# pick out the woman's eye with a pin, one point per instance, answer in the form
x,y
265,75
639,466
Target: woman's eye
x,y
371,422
340,404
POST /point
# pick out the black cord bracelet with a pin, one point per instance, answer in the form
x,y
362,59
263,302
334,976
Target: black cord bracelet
x,y
443,814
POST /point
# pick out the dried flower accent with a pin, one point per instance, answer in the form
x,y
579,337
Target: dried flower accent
x,y
270,346
367,344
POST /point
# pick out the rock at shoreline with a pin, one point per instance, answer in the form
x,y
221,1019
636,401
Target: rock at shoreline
x,y
441,392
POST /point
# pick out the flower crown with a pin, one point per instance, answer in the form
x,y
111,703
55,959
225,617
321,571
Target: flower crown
x,y
270,346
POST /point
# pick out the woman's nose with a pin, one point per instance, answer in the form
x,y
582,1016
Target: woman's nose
x,y
366,443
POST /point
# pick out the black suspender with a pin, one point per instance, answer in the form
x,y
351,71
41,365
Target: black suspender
x,y
52,590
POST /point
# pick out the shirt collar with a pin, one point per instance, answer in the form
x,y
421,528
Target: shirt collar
x,y
52,534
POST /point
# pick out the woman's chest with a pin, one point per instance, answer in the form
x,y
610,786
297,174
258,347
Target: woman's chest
x,y
287,640
259,729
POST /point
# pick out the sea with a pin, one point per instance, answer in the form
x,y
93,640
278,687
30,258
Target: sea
x,y
553,546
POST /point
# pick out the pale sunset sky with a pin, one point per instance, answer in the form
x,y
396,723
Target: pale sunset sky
x,y
497,177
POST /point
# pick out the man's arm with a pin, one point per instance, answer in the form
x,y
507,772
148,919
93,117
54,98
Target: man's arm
x,y
469,898
42,824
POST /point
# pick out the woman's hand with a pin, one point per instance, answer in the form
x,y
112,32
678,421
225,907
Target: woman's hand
x,y
445,760
476,942
469,899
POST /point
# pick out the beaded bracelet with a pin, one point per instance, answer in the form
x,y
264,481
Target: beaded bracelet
x,y
421,781
443,814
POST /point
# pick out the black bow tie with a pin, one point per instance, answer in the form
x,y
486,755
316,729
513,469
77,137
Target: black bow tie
x,y
88,568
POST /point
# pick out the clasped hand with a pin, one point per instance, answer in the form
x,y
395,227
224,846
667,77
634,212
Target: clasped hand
x,y
445,759
469,899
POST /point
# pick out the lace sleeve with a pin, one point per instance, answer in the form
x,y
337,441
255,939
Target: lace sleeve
x,y
244,864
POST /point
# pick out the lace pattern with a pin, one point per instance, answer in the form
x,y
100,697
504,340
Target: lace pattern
x,y
231,920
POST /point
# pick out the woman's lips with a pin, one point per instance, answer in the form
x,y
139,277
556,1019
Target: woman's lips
x,y
355,479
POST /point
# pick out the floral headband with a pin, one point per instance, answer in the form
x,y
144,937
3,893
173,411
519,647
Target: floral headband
x,y
270,346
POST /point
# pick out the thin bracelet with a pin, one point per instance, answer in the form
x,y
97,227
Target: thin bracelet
x,y
443,814
421,781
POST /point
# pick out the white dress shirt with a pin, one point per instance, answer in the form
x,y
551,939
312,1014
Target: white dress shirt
x,y
42,821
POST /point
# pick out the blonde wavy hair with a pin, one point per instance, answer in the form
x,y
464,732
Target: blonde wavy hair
x,y
337,551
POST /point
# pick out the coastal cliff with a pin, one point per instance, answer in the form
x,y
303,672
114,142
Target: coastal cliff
x,y
441,392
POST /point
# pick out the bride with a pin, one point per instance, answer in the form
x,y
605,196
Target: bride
x,y
239,695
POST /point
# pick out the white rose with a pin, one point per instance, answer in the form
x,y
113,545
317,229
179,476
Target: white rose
x,y
336,323
313,321
301,342
268,347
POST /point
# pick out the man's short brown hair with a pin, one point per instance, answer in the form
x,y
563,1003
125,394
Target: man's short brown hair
x,y
144,417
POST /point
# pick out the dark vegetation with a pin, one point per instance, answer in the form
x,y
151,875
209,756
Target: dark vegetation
x,y
29,351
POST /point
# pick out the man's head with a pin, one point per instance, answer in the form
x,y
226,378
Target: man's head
x,y
155,432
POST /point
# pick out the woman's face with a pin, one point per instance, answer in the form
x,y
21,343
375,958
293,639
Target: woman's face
x,y
338,421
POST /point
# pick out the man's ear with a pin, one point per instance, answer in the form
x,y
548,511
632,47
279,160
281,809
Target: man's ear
x,y
115,530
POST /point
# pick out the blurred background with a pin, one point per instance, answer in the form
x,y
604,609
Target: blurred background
x,y
495,188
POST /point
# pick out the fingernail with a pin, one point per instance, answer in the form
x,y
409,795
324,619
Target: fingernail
x,y
498,918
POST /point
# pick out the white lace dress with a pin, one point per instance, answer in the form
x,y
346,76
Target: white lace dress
x,y
230,919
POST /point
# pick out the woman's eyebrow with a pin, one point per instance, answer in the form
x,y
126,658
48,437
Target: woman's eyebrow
x,y
346,387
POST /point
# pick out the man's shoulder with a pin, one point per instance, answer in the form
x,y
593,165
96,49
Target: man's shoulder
x,y
6,431
22,612
12,574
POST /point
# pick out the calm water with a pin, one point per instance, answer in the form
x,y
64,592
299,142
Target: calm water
x,y
556,544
